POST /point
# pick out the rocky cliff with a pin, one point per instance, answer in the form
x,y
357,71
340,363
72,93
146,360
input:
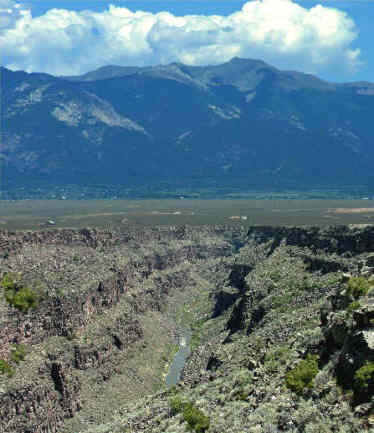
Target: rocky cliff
x,y
282,337
291,319
343,240
95,289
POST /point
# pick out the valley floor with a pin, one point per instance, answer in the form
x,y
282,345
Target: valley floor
x,y
120,214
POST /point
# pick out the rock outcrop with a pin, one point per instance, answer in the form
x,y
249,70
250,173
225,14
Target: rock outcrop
x,y
347,322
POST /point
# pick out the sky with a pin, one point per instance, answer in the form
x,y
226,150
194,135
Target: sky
x,y
330,39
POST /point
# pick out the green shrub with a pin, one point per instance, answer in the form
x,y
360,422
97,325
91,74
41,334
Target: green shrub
x,y
358,286
9,281
303,374
195,418
18,353
18,296
175,404
23,299
242,395
363,376
6,368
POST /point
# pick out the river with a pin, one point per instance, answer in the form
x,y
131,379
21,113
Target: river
x,y
176,367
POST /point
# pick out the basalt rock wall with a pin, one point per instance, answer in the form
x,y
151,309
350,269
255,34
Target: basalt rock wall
x,y
16,240
41,402
332,239
61,315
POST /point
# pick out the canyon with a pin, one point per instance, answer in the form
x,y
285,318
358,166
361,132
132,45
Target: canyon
x,y
113,306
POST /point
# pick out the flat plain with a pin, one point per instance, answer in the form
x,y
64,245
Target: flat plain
x,y
37,214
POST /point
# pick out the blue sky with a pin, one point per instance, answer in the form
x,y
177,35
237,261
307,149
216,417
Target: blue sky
x,y
331,39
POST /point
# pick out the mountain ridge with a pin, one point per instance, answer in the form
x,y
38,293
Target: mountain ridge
x,y
111,71
243,123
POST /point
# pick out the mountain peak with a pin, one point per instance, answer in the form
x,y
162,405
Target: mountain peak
x,y
242,61
240,123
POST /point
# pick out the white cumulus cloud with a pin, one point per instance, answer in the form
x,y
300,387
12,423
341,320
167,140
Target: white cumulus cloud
x,y
10,12
281,32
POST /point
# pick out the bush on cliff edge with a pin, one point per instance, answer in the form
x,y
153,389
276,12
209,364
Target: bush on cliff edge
x,y
303,374
20,297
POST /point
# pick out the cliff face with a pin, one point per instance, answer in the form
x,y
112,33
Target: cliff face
x,y
110,304
332,239
117,279
281,336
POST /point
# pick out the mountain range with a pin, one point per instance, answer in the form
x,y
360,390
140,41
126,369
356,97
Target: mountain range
x,y
242,124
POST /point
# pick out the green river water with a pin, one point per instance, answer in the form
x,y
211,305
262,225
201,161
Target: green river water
x,y
180,358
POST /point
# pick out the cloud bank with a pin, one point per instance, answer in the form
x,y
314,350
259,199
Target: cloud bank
x,y
281,32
